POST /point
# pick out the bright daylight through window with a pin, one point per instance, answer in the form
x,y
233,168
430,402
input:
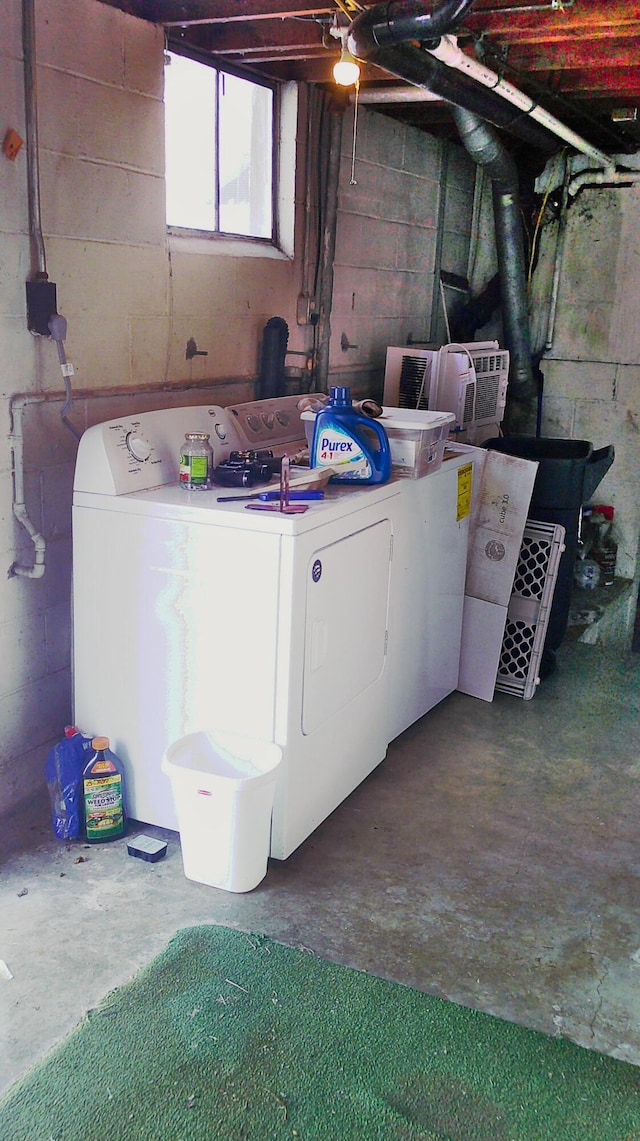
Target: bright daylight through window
x,y
219,150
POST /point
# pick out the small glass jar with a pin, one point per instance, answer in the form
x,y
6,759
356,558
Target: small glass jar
x,y
196,461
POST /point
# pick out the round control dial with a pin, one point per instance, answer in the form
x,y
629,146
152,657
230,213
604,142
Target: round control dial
x,y
138,446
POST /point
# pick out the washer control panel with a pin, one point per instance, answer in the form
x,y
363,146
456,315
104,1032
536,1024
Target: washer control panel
x,y
273,423
138,452
143,451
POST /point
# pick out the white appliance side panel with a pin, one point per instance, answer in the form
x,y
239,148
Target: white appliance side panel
x,y
175,629
346,621
427,593
322,767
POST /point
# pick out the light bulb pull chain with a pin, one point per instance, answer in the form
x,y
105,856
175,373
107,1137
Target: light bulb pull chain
x,y
353,181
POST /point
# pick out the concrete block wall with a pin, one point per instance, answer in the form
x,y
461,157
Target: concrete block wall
x,y
592,371
410,191
132,299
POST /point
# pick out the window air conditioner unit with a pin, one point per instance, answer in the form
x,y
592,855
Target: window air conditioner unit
x,y
469,380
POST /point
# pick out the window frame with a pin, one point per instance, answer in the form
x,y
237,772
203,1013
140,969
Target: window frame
x,y
178,47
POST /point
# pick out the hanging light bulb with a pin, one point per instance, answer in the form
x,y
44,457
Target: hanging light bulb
x,y
346,71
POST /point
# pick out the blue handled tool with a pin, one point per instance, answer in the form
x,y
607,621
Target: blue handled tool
x,y
270,496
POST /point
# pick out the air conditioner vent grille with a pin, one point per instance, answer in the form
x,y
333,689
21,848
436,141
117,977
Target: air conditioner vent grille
x,y
413,390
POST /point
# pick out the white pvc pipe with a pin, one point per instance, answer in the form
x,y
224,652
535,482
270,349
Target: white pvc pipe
x,y
17,406
448,52
602,178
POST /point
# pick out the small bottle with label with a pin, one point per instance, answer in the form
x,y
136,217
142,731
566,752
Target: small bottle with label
x,y
196,461
605,548
103,794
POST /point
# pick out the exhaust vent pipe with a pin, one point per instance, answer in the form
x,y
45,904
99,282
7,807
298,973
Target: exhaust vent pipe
x,y
485,148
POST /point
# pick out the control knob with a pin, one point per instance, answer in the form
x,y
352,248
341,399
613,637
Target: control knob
x,y
138,446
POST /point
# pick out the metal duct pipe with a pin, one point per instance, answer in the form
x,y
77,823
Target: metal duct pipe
x,y
484,147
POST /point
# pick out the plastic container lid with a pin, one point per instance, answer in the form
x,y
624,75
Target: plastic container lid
x,y
416,419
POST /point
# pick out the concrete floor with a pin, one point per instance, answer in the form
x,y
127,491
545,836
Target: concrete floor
x,y
493,859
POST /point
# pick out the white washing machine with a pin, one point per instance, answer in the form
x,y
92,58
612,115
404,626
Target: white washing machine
x,y
192,614
328,632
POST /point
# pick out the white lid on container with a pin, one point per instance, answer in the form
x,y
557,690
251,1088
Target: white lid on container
x,y
414,418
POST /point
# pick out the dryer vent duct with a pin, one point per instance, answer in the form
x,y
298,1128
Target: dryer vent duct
x,y
484,147
274,349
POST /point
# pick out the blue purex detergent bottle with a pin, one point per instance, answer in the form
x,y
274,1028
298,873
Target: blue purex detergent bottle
x,y
343,437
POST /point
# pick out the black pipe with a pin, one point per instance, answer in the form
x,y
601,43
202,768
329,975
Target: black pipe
x,y
379,36
395,23
485,148
418,67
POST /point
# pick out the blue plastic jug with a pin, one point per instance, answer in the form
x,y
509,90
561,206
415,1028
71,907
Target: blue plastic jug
x,y
344,437
65,764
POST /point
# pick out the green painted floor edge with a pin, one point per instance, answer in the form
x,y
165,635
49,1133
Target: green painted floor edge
x,y
228,1035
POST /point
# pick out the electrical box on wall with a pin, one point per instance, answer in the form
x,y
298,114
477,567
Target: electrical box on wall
x,y
41,305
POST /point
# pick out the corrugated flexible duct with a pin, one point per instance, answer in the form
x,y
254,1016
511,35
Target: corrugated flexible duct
x,y
486,149
375,35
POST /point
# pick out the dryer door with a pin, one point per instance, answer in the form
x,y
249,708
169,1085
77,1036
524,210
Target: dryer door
x,y
346,621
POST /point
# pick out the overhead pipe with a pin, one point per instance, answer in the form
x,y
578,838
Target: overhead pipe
x,y
379,35
487,151
449,53
414,65
385,25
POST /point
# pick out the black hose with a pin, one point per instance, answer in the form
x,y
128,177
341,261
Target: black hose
x,y
395,23
274,347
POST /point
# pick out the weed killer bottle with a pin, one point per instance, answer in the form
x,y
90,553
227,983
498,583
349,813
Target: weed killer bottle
x,y
356,444
103,794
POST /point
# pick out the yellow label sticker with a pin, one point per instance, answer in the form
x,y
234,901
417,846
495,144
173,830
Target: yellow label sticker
x,y
465,481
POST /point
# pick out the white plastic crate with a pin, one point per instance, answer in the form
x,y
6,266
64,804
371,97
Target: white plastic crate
x,y
529,609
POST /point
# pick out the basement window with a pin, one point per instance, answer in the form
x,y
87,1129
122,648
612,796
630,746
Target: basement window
x,y
220,157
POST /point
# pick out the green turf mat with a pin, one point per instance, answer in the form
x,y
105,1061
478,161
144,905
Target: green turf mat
x,y
227,1035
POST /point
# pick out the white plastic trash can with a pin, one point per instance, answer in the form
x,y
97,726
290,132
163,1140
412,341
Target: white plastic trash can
x,y
223,787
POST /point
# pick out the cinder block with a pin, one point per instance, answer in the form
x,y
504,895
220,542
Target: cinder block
x,y
422,155
82,38
19,348
579,379
110,279
58,107
34,714
143,57
102,202
57,622
10,31
16,270
119,126
23,658
415,249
